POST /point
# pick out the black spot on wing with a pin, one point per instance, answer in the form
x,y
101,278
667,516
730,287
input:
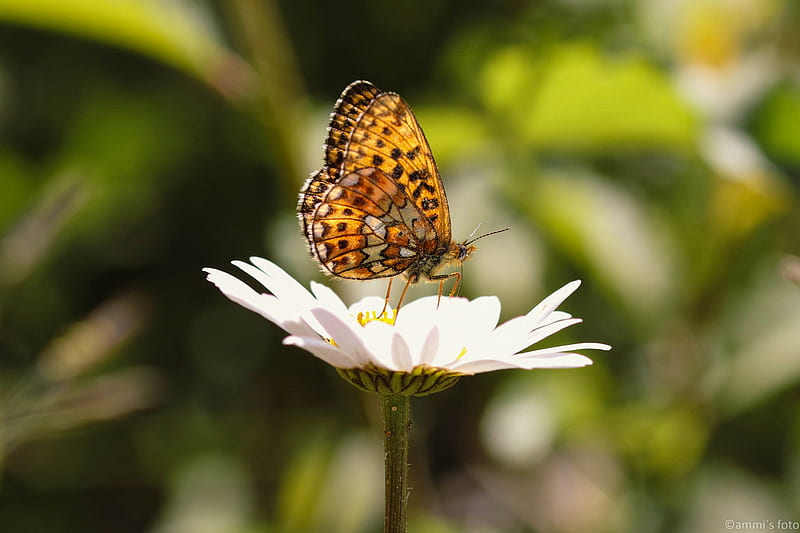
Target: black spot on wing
x,y
429,203
422,186
421,174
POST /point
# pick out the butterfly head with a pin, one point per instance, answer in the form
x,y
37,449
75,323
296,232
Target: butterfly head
x,y
461,251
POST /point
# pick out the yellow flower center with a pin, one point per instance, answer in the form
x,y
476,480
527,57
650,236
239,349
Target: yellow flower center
x,y
366,317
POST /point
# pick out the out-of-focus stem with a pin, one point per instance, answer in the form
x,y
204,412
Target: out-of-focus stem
x,y
280,94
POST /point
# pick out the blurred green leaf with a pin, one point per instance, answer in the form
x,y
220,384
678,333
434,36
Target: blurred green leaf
x,y
302,479
452,132
332,486
34,233
777,124
577,98
176,33
120,147
666,441
19,185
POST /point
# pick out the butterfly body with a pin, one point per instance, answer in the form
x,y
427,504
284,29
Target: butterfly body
x,y
377,208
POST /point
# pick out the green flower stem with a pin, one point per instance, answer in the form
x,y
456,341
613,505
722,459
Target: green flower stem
x,y
395,444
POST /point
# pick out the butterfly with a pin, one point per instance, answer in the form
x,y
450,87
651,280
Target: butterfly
x,y
377,208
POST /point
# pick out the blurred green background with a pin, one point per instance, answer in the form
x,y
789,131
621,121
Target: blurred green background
x,y
650,148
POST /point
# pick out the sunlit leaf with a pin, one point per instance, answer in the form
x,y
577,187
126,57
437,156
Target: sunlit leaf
x,y
171,32
576,98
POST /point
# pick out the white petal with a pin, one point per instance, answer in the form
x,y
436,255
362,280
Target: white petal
x,y
448,308
323,350
306,326
545,331
463,324
562,360
417,317
555,316
344,333
425,304
415,322
505,343
508,335
515,334
451,347
557,360
482,315
328,299
367,305
277,281
430,347
401,356
377,338
483,365
235,289
293,297
549,304
568,348
265,305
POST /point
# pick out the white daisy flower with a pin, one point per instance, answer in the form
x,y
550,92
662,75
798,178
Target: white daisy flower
x,y
425,348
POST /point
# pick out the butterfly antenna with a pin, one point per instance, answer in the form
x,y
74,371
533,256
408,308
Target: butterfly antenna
x,y
470,240
474,232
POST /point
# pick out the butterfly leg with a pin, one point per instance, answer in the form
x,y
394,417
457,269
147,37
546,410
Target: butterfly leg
x,y
412,279
386,300
442,279
457,284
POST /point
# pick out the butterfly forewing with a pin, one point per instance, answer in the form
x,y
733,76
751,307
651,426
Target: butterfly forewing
x,y
388,137
352,104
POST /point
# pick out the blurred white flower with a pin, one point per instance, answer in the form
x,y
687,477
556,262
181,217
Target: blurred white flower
x,y
423,349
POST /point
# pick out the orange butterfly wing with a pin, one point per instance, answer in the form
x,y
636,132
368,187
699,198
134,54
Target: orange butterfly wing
x,y
387,136
378,206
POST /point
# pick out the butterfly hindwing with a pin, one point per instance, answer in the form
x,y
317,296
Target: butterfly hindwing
x,y
366,227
